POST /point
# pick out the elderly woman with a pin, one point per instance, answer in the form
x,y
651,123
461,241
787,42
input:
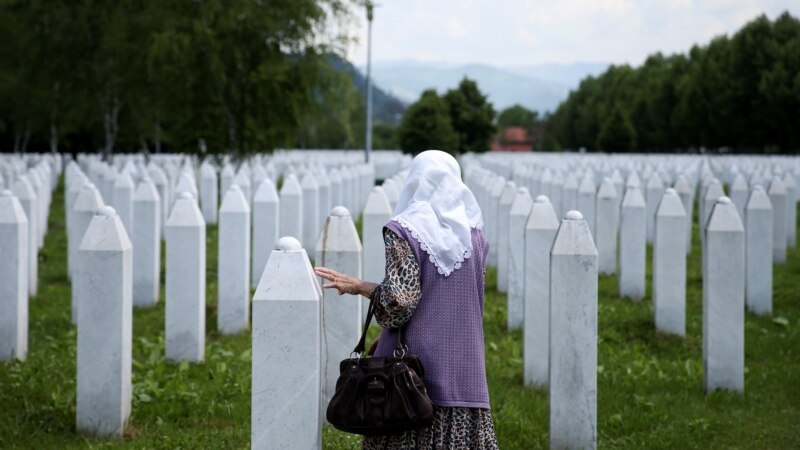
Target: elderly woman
x,y
435,259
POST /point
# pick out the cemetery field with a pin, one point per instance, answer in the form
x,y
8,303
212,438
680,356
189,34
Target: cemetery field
x,y
649,386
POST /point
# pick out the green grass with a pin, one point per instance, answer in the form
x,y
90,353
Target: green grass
x,y
649,386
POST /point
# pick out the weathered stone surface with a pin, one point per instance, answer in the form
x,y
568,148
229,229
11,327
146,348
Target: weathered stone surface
x,y
287,323
233,284
518,218
573,336
632,244
723,299
338,249
15,250
266,205
540,232
146,244
758,252
104,286
186,281
669,265
607,225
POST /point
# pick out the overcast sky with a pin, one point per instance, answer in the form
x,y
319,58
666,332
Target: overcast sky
x,y
523,32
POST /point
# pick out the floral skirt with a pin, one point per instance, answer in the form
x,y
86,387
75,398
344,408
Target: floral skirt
x,y
453,428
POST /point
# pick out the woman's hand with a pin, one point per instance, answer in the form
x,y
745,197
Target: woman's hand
x,y
344,283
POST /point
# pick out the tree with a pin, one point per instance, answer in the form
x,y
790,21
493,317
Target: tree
x,y
517,116
472,116
426,125
617,134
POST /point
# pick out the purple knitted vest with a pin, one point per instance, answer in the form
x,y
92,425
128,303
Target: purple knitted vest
x,y
446,330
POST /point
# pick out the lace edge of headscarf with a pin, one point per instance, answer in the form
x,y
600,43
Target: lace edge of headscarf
x,y
440,267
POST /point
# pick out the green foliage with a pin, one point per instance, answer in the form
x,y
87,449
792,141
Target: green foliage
x,y
242,75
518,116
426,125
472,116
741,92
617,133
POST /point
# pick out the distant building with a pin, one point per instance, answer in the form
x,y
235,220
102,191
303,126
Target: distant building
x,y
512,139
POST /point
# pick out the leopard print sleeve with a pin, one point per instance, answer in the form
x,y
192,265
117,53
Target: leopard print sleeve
x,y
398,295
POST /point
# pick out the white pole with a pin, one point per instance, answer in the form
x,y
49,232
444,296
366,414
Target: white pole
x,y
368,143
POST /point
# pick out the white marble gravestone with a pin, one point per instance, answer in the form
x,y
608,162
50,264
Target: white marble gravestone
x,y
503,209
164,194
265,226
540,231
186,281
209,196
723,299
685,193
669,265
233,284
226,177
493,224
739,193
573,335
633,244
791,209
146,243
606,227
23,190
123,200
758,252
312,222
15,250
518,218
377,213
338,249
777,196
287,349
104,286
86,205
654,192
586,201
291,208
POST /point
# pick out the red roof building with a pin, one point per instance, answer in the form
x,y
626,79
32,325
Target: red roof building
x,y
512,139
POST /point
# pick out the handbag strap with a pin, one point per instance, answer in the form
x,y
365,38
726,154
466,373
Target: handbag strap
x,y
362,342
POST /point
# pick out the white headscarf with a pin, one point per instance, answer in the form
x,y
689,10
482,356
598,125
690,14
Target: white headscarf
x,y
439,210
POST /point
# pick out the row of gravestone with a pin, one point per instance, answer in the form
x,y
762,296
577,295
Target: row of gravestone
x,y
738,253
26,186
185,283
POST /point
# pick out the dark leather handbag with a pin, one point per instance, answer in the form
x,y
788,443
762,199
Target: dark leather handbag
x,y
380,395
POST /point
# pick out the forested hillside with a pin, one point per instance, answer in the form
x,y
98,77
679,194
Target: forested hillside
x,y
740,92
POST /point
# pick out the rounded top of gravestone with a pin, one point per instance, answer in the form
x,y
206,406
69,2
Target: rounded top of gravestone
x,y
670,191
340,211
510,184
573,215
522,190
724,200
758,187
542,199
235,187
106,211
5,193
377,189
288,243
186,195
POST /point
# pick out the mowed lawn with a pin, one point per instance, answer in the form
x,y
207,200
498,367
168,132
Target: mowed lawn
x,y
649,386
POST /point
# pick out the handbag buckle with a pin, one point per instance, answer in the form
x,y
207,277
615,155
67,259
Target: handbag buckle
x,y
401,351
358,355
